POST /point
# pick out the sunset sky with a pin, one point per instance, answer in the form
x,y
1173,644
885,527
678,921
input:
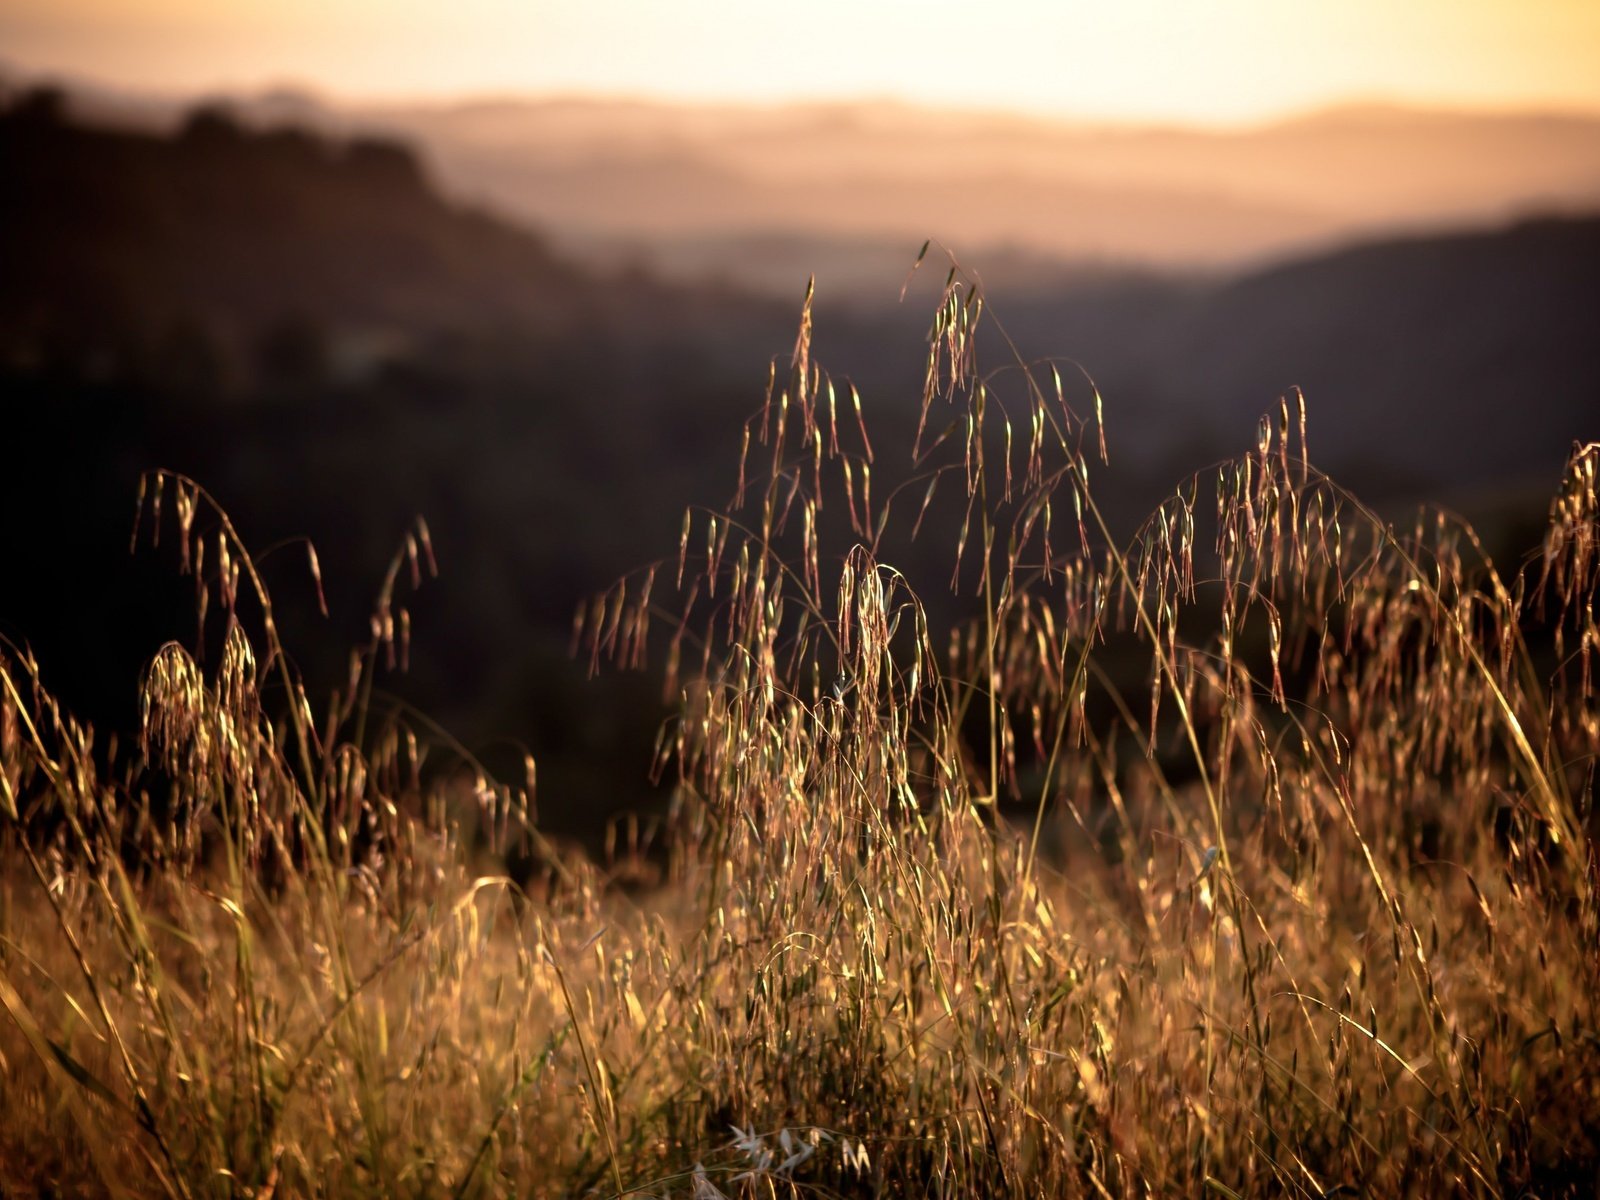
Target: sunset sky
x,y
1219,60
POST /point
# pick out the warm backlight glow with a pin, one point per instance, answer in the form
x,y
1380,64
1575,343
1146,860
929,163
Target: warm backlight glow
x,y
1129,59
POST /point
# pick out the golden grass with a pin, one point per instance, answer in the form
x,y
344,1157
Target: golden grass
x,y
1309,910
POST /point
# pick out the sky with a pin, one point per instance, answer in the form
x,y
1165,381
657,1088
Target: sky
x,y
1182,60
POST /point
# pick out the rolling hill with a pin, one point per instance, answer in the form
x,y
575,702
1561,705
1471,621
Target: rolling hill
x,y
708,191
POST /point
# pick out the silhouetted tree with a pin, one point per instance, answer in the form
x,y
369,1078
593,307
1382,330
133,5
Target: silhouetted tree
x,y
43,107
212,126
386,164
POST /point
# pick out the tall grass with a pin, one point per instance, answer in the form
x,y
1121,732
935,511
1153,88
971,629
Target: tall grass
x,y
1302,905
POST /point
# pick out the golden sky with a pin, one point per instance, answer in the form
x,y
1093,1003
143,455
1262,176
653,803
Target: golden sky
x,y
1190,60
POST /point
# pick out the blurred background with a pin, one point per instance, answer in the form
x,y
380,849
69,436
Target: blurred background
x,y
521,269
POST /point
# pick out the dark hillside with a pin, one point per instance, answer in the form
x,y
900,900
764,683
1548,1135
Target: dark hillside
x,y
306,328
1452,359
233,236
1454,367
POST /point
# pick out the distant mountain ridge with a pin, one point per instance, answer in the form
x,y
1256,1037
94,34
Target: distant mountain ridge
x,y
657,180
691,189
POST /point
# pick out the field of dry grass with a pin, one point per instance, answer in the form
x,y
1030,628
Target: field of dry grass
x,y
1304,906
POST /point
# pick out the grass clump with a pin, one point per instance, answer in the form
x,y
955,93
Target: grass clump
x,y
1249,855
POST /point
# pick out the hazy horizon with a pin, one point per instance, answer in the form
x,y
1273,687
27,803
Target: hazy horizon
x,y
1238,62
82,82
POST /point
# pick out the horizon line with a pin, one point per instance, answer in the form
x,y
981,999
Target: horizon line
x,y
13,72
